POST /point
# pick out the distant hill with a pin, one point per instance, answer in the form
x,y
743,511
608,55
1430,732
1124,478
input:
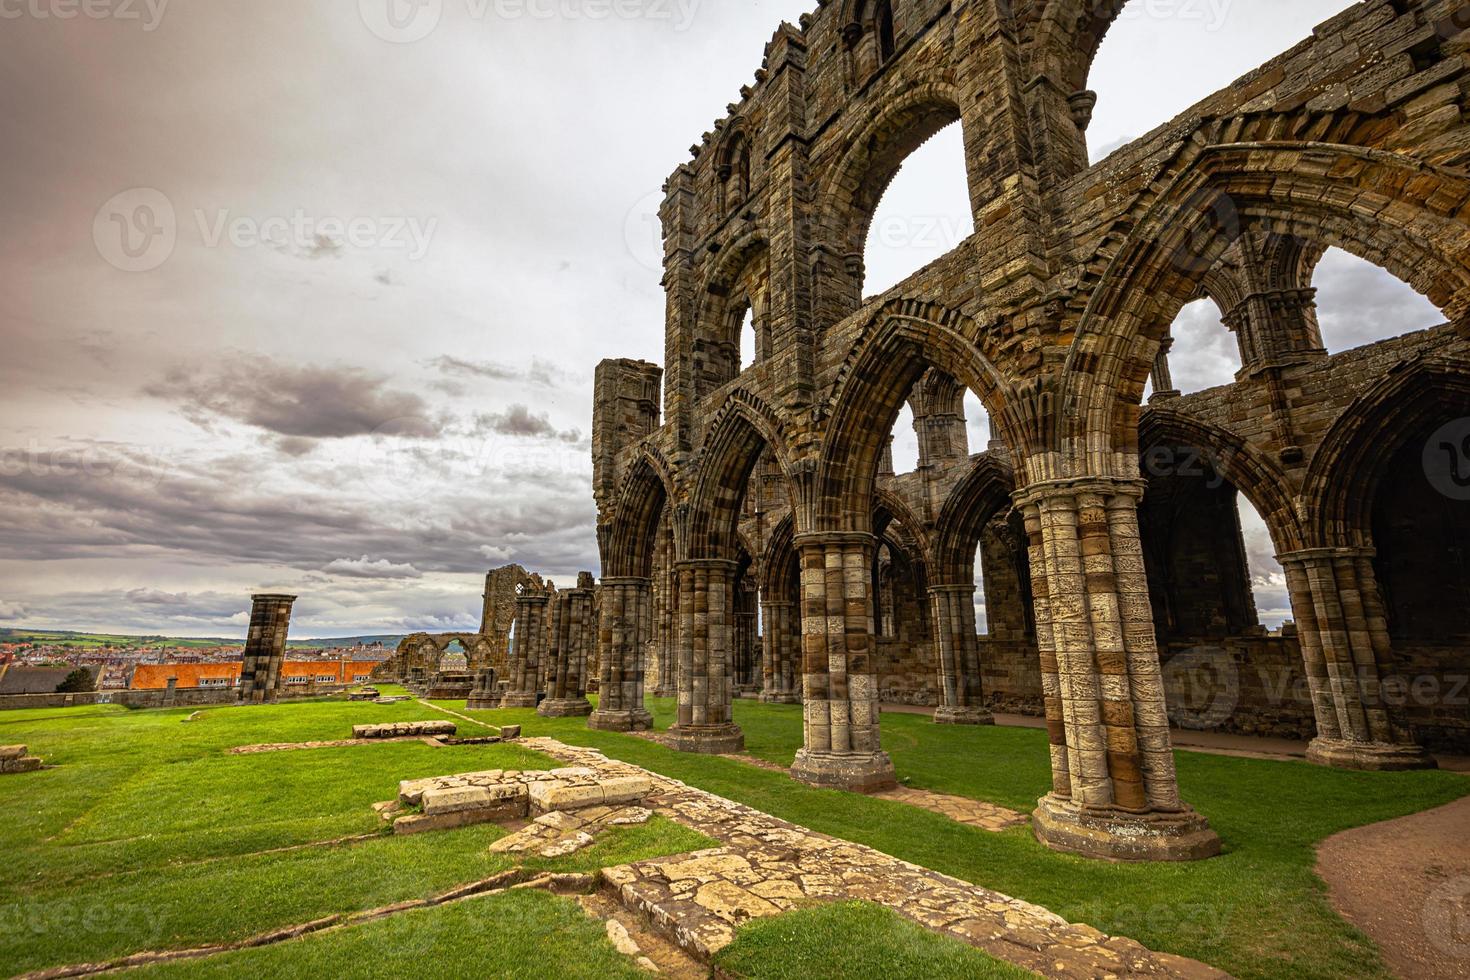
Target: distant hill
x,y
79,639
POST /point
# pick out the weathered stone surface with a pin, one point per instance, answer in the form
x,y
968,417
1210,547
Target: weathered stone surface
x,y
404,729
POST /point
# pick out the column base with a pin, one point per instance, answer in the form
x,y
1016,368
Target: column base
x,y
565,708
1119,835
963,716
1369,756
519,701
856,772
620,721
707,739
780,699
481,704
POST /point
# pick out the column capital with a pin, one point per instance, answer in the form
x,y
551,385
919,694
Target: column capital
x,y
1047,490
1325,554
710,564
953,587
821,539
635,581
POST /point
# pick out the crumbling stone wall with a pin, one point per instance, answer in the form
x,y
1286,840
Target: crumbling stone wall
x,y
1056,314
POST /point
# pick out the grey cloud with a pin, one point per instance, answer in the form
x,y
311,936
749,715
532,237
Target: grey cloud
x,y
539,372
12,611
296,401
365,567
215,510
519,420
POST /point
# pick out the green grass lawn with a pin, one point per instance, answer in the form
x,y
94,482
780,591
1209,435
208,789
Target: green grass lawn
x,y
854,939
1256,911
516,934
148,835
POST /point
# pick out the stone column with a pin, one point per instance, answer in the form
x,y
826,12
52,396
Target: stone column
x,y
957,654
841,735
1120,799
1163,378
566,691
483,695
705,646
526,654
265,648
778,662
620,655
1343,629
747,676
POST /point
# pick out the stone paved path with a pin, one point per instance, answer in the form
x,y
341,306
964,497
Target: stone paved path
x,y
766,866
986,816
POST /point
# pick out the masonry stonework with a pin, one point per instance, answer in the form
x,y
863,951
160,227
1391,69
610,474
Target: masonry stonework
x,y
1093,514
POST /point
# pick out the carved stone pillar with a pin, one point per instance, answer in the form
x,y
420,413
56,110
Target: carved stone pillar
x,y
265,648
1115,794
1163,377
524,688
779,640
705,645
1346,649
566,687
957,652
841,736
620,655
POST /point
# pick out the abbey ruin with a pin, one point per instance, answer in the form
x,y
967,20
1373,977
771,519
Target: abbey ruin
x,y
754,538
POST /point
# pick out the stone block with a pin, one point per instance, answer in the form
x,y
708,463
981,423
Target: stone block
x,y
8,752
454,799
558,795
23,764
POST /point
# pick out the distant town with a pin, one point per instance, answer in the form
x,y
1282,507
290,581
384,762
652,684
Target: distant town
x,y
41,661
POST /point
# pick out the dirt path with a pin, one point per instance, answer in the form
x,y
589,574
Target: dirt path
x,y
1406,883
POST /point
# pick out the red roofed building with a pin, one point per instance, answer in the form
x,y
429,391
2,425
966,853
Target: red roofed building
x,y
295,674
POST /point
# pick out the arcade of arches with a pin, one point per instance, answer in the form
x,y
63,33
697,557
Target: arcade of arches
x,y
755,539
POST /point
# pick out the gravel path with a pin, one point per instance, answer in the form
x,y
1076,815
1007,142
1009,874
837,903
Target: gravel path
x,y
1406,883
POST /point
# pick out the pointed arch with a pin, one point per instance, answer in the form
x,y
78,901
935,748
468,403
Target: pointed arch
x,y
1313,191
629,539
904,339
984,491
1350,464
1262,481
740,432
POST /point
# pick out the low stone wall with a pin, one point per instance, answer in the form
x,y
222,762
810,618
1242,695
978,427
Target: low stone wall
x,y
906,672
1251,685
1429,689
1010,677
14,759
188,697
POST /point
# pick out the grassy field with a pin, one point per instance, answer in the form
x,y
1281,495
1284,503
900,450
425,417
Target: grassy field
x,y
149,835
1256,911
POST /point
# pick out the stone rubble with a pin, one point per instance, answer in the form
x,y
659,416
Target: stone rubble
x,y
14,759
767,866
404,729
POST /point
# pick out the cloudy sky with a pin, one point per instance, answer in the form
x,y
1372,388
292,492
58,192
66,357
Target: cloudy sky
x,y
290,304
